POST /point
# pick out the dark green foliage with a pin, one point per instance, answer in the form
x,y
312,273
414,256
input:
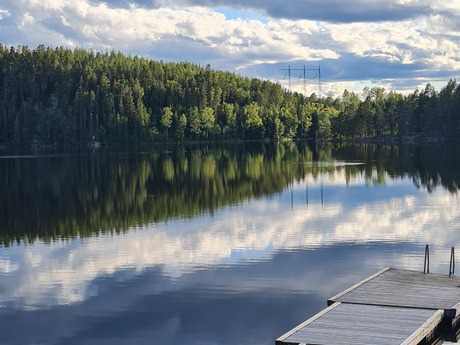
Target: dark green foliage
x,y
66,97
426,115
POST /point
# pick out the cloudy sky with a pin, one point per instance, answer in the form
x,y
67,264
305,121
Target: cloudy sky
x,y
396,44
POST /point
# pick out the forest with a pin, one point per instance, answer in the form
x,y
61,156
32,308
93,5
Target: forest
x,y
65,98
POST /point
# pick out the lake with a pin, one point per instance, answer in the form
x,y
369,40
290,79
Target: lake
x,y
230,244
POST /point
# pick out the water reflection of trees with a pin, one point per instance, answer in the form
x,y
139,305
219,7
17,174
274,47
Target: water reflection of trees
x,y
429,166
60,197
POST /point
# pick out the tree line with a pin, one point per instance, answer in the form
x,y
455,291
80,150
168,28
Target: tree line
x,y
63,97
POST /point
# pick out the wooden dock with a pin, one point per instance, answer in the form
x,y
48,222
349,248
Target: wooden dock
x,y
392,306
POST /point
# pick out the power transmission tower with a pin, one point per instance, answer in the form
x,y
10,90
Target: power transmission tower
x,y
304,75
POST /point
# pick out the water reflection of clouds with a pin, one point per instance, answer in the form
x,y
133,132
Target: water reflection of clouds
x,y
63,273
7,266
194,308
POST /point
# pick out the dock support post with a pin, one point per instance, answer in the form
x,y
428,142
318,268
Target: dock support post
x,y
452,262
426,266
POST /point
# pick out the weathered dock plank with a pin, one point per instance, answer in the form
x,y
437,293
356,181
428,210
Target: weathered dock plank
x,y
393,306
356,324
403,288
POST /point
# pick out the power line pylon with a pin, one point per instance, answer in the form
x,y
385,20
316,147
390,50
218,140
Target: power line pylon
x,y
304,75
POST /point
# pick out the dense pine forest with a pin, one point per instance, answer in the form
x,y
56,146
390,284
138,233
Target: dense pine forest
x,y
63,97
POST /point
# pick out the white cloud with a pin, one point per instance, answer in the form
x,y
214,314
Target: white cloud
x,y
4,14
411,39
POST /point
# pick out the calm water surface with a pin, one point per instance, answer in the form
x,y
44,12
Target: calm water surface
x,y
202,245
